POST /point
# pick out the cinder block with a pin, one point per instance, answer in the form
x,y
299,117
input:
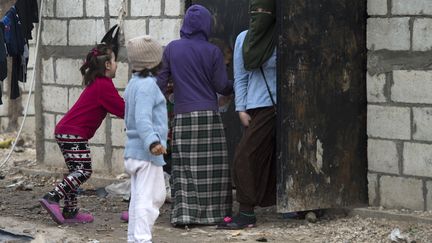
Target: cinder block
x,y
54,32
4,122
422,124
114,6
377,7
146,8
373,189
52,155
25,87
69,8
422,34
398,192
95,8
74,94
392,34
58,118
383,156
4,107
48,71
67,72
29,127
98,159
389,122
118,133
134,28
174,7
429,196
165,30
48,10
49,125
117,161
122,75
412,86
51,100
412,7
32,53
100,135
94,31
31,108
417,159
375,88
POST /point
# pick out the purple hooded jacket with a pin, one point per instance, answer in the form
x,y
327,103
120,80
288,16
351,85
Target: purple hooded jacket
x,y
196,67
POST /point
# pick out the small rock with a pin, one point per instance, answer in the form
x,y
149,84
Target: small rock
x,y
18,149
311,217
26,231
29,187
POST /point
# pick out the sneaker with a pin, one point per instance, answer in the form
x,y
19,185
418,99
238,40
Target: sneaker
x,y
240,221
53,209
82,218
125,216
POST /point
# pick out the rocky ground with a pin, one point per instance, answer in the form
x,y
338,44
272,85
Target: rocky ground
x,y
22,182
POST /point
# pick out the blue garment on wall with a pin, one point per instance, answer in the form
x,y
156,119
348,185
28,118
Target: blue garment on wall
x,y
15,44
13,33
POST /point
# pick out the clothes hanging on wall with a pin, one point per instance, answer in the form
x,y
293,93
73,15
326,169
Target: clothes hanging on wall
x,y
13,33
3,61
18,23
28,14
3,54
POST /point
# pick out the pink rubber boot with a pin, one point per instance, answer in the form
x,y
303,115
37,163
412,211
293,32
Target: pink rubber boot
x,y
53,209
82,218
125,216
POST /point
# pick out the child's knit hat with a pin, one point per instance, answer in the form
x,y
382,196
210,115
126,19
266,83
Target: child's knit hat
x,y
144,52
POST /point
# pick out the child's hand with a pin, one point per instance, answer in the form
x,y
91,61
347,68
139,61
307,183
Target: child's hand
x,y
158,150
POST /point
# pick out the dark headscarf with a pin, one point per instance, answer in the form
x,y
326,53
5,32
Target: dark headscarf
x,y
260,40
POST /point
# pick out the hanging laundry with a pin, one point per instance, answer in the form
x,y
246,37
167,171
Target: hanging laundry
x,y
3,54
28,14
13,33
16,45
3,60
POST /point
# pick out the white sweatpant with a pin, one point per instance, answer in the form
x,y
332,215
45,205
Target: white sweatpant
x,y
147,196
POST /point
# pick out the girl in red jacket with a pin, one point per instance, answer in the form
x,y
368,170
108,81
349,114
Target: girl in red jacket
x,y
78,126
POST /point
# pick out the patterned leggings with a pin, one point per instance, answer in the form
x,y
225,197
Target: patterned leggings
x,y
76,153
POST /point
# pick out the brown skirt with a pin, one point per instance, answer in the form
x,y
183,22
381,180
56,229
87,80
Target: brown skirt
x,y
254,166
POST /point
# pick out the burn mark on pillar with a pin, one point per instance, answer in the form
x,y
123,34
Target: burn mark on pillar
x,y
322,93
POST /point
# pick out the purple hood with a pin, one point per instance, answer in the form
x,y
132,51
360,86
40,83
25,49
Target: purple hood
x,y
197,23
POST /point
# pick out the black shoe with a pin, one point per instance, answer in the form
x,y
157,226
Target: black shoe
x,y
240,221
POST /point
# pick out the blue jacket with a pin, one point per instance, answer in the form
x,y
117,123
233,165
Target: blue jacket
x,y
14,37
146,119
249,86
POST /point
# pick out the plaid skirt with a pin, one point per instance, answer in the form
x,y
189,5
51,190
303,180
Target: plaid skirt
x,y
201,184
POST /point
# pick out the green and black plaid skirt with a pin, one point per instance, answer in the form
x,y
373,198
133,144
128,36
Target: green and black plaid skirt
x,y
201,184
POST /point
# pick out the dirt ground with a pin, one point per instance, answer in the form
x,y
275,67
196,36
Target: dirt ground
x,y
20,213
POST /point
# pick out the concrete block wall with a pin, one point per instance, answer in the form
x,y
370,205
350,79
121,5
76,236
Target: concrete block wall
x,y
399,92
70,28
29,126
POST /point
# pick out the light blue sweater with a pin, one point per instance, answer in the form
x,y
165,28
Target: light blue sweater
x,y
146,119
249,86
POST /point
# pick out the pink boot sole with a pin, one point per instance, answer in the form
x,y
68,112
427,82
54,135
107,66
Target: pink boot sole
x,y
53,210
80,218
